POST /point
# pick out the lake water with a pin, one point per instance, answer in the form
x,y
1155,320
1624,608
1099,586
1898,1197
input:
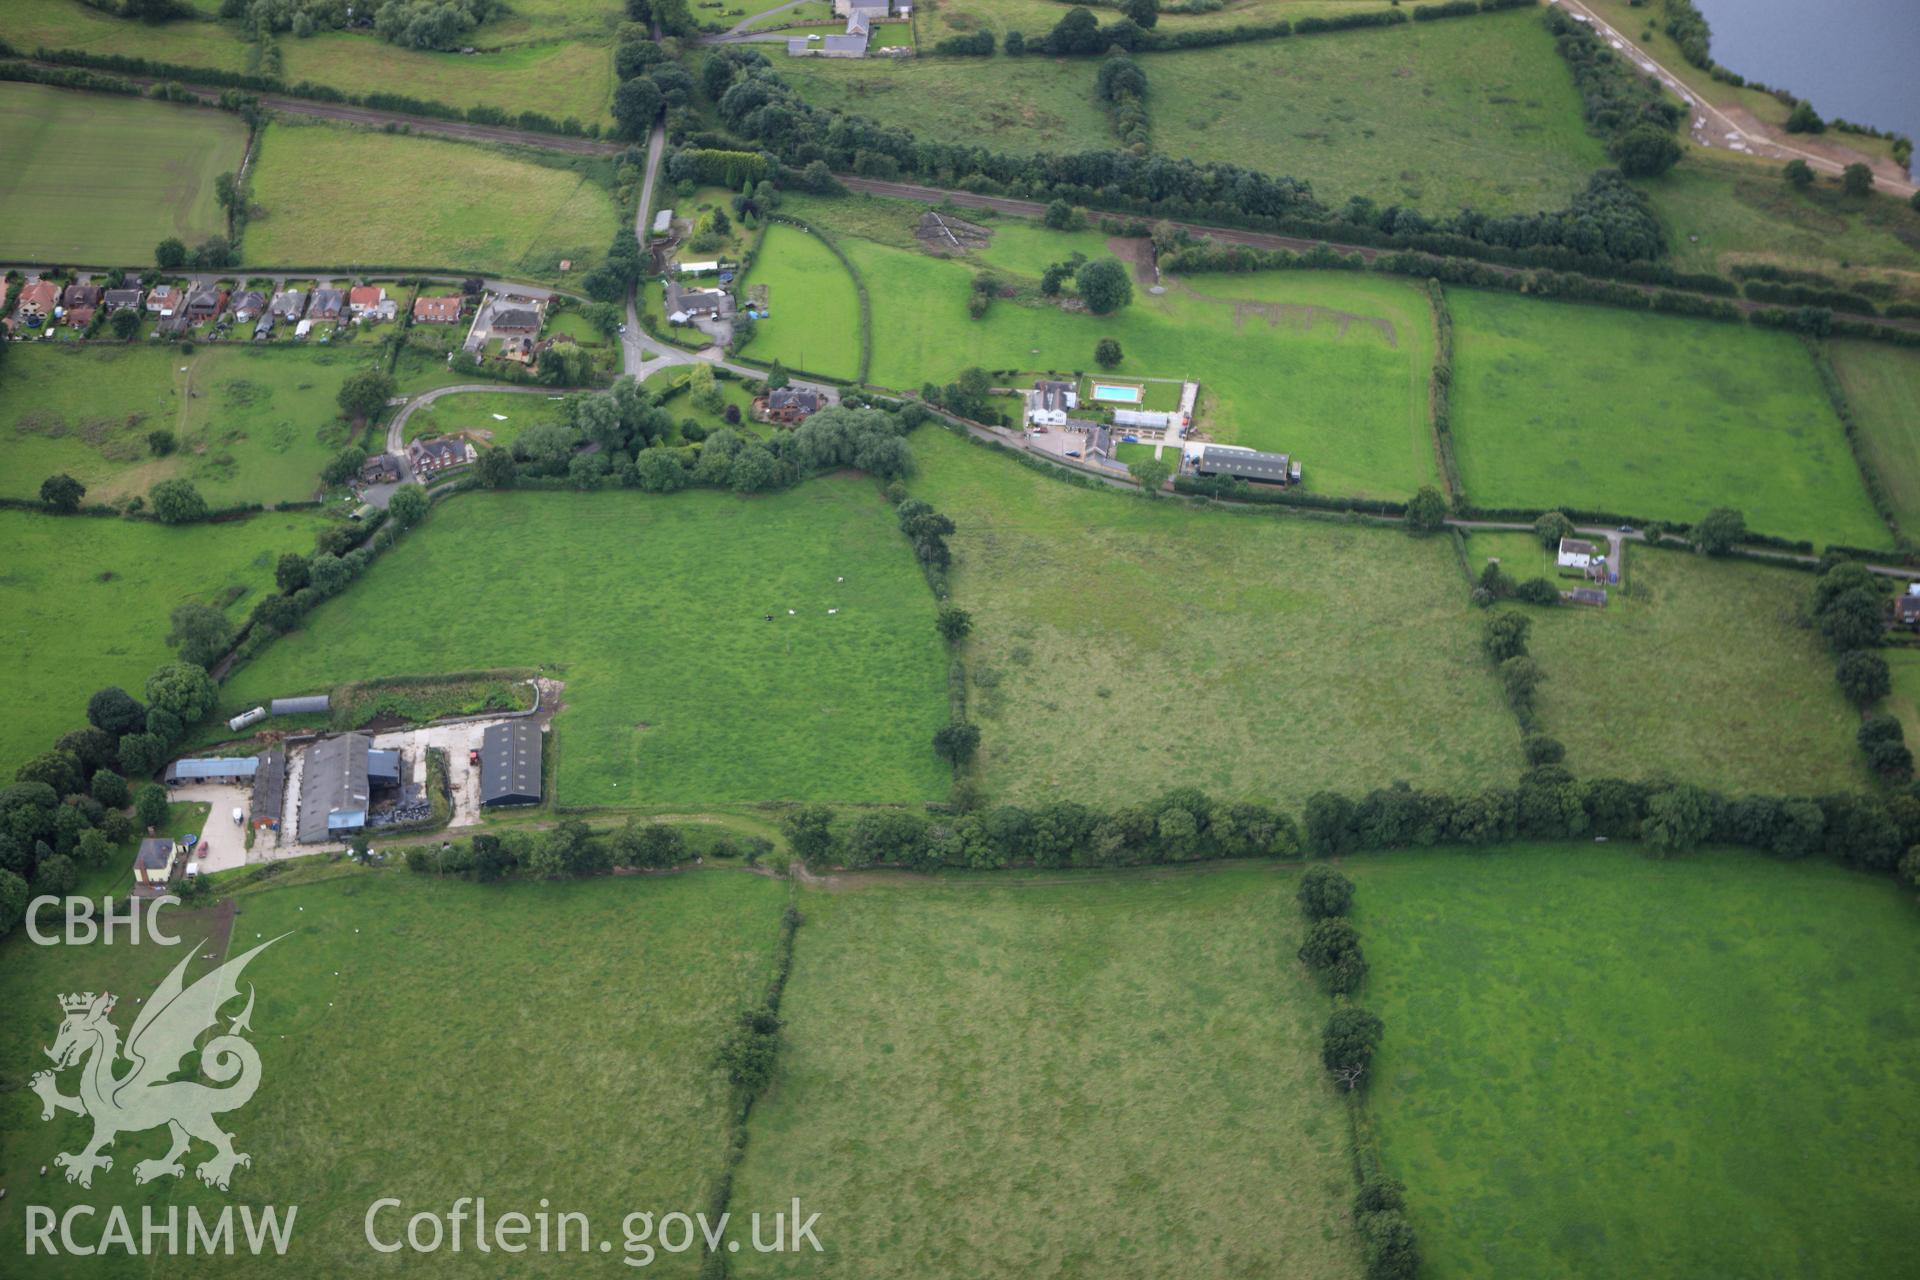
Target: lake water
x,y
1854,58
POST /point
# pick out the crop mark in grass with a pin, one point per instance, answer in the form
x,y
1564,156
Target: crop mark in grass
x,y
1278,313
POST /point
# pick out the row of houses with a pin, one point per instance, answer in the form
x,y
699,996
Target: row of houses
x,y
43,304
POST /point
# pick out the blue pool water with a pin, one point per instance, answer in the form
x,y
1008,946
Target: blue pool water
x,y
1129,395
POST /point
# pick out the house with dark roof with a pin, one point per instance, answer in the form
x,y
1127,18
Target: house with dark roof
x,y
517,321
683,304
288,304
381,468
437,310
263,327
327,304
510,764
1252,465
81,302
153,864
121,299
791,404
204,303
248,305
1906,606
430,457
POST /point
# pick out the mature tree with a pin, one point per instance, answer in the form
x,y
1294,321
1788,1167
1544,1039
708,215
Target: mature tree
x,y
125,323
1891,760
636,103
292,572
212,254
181,688
1537,591
109,788
777,376
1077,32
364,394
1804,119
1427,512
1104,284
809,831
407,505
1329,817
1645,151
953,623
1324,893
1150,474
142,754
177,502
1677,819
1015,43
1539,749
1061,216
1505,635
1348,1043
343,466
13,901
492,859
55,877
62,493
1799,173
1856,179
170,254
1332,951
496,469
161,443
59,770
1520,675
1863,677
92,849
1719,531
1107,353
956,743
200,632
116,711
1552,527
1142,13
150,806
1855,619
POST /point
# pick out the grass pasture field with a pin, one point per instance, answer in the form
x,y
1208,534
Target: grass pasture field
x,y
1118,639
252,425
1072,1077
1656,416
473,413
468,207
1882,386
127,174
597,1007
821,332
84,603
1327,366
652,610
1598,1063
1651,686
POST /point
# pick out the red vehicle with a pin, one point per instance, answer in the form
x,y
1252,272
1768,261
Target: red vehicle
x,y
473,758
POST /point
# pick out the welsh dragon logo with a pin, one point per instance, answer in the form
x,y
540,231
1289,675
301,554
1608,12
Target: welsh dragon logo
x,y
145,1096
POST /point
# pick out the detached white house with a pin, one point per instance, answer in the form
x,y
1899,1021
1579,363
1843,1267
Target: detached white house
x,y
1049,403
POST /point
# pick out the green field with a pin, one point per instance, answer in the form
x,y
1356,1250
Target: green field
x,y
253,425
1327,366
1653,686
84,604
100,180
1121,643
821,331
1601,1064
1882,385
468,208
651,609
1077,1077
537,1040
1655,416
473,413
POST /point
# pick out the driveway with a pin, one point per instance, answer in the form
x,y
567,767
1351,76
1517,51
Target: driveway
x,y
223,846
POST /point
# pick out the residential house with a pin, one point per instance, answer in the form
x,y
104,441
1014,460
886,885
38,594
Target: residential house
x,y
121,299
153,864
516,321
1906,607
1576,557
164,299
204,303
510,764
684,304
1236,463
437,310
381,468
365,299
791,404
81,301
35,306
248,305
327,304
288,304
1049,402
430,457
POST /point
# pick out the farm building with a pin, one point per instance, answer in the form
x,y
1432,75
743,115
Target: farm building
x,y
270,788
381,468
1143,423
1049,402
510,764
153,864
1592,597
663,223
215,769
1236,463
299,706
334,790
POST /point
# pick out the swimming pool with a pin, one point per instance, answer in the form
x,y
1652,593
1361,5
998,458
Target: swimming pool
x,y
1124,395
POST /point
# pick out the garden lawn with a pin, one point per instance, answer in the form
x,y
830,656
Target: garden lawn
x,y
670,384
1329,367
522,1041
84,603
252,424
652,609
1597,1063
1655,417
97,179
1701,670
1075,1077
1479,113
820,333
465,207
1123,643
1882,385
471,413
